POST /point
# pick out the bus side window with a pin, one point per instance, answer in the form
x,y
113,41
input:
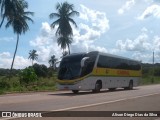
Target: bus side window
x,y
88,67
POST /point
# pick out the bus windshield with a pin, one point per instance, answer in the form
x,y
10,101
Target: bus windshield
x,y
70,67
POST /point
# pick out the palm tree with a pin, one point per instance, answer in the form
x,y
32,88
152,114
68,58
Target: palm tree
x,y
64,42
33,56
10,7
18,20
65,53
65,12
52,60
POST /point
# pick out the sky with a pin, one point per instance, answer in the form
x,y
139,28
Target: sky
x,y
129,28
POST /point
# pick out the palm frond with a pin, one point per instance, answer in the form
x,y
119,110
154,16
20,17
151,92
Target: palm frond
x,y
8,24
72,21
29,13
55,23
73,13
28,18
53,15
58,6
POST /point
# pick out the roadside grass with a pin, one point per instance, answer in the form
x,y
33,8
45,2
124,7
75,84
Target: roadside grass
x,y
14,85
147,80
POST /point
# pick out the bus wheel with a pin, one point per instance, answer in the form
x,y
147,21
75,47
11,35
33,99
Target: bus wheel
x,y
130,87
98,86
75,91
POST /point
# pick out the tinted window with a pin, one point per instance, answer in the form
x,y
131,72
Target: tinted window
x,y
89,64
70,67
117,63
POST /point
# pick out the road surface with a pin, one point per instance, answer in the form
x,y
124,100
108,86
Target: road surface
x,y
142,98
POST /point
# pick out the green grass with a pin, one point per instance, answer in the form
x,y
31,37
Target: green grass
x,y
13,85
150,80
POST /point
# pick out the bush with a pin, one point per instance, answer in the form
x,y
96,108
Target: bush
x,y
157,71
4,85
40,70
28,75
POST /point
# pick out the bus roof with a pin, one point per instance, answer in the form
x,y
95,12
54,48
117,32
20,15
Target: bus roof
x,y
101,53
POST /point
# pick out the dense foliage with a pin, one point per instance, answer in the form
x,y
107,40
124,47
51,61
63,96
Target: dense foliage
x,y
33,78
150,69
28,75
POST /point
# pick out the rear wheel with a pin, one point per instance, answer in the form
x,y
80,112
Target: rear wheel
x,y
75,91
130,86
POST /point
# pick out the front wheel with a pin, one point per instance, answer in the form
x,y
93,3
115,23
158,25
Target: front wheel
x,y
75,91
98,87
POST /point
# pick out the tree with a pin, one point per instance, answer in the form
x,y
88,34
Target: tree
x,y
10,7
40,70
65,12
33,56
65,53
52,60
18,19
28,75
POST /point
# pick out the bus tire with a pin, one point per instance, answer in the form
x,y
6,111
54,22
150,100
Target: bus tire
x,y
130,87
98,86
75,91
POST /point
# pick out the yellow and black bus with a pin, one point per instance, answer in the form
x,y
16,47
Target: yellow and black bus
x,y
95,71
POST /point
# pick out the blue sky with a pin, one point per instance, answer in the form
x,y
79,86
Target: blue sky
x,y
128,28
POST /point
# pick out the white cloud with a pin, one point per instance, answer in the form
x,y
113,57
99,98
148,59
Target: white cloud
x,y
156,43
153,10
126,6
45,33
142,47
147,57
5,54
45,44
97,19
139,44
19,63
83,38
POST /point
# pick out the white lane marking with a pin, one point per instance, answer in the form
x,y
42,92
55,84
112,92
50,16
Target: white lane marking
x,y
95,104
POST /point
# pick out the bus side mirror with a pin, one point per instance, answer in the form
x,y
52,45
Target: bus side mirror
x,y
83,61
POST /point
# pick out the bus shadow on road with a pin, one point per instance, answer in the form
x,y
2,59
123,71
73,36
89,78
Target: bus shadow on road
x,y
69,93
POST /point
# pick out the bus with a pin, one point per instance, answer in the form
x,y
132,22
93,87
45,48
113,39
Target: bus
x,y
96,70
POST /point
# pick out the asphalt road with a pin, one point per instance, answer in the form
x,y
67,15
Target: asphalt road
x,y
142,98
